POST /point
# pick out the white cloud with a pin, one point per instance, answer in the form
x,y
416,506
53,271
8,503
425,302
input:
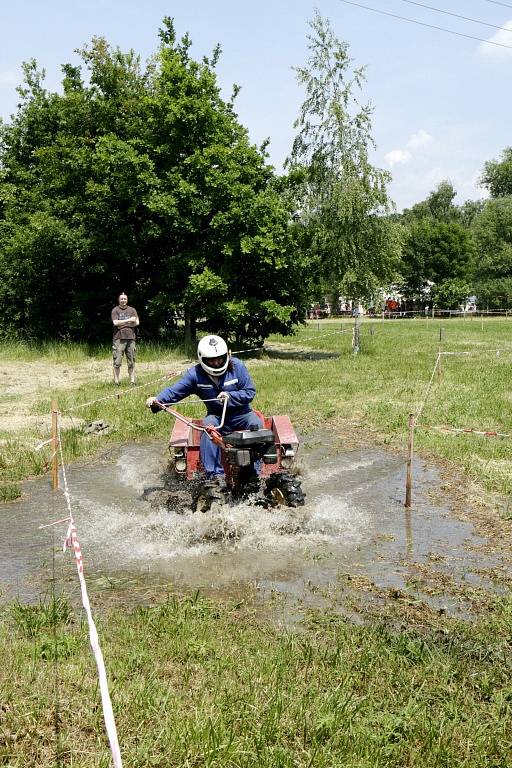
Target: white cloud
x,y
419,139
397,156
502,38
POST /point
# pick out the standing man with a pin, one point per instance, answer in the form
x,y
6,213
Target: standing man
x,y
125,320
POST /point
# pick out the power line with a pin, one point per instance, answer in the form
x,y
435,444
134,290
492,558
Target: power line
x,y
495,2
424,24
456,15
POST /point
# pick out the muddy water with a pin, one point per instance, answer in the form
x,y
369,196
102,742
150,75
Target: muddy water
x,y
353,525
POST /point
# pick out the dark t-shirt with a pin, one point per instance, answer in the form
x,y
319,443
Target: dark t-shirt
x,y
124,332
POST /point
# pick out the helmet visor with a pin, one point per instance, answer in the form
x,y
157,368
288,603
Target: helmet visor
x,y
215,362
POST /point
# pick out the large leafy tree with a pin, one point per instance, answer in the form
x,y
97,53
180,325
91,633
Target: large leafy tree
x,y
497,175
438,248
342,200
438,206
142,179
493,269
435,251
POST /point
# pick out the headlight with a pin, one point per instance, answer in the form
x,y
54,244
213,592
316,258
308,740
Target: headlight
x,y
287,457
180,461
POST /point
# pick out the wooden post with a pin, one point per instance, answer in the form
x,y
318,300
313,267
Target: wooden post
x,y
55,447
482,320
410,457
440,357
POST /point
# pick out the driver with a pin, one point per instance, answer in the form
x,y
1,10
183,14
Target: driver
x,y
216,377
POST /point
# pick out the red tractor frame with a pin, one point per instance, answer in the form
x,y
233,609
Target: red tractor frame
x,y
273,449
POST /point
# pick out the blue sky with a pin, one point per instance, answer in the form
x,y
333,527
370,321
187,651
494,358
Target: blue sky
x,y
440,102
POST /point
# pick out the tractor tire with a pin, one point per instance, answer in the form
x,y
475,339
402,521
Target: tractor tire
x,y
283,489
207,495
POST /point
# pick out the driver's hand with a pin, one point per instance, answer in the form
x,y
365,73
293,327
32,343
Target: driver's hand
x,y
150,401
222,396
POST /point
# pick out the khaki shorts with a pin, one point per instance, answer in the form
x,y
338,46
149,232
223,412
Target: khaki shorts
x,y
126,346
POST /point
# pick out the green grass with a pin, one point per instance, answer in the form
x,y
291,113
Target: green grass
x,y
375,390
211,684
198,683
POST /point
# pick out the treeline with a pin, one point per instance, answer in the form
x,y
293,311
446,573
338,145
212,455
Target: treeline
x,y
140,178
451,252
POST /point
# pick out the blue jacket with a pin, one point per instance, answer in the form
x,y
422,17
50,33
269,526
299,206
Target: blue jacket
x,y
237,383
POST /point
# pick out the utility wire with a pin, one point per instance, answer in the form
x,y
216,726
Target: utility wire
x,y
495,2
456,15
424,24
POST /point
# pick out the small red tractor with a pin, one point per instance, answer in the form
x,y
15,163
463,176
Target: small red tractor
x,y
258,464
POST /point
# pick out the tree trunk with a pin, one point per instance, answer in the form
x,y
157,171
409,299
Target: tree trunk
x,y
190,332
356,333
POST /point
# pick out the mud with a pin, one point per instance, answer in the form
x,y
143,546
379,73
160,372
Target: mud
x,y
352,547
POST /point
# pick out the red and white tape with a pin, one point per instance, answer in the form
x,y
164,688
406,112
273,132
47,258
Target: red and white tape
x,y
463,430
72,541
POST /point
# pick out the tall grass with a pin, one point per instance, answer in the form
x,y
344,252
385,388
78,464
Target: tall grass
x,y
198,683
76,352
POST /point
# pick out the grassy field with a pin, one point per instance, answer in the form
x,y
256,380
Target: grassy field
x,y
313,377
203,683
198,683
207,683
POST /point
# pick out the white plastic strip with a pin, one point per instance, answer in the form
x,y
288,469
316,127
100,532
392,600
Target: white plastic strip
x,y
71,540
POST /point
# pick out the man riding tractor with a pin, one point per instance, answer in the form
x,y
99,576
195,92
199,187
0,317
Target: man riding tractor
x,y
217,377
238,448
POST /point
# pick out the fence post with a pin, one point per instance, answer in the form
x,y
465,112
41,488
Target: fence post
x,y
410,457
55,447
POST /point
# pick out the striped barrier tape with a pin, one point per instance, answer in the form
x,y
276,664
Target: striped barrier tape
x,y
71,541
464,430
121,393
322,335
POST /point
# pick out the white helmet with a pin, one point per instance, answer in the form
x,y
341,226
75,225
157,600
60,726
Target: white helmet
x,y
213,346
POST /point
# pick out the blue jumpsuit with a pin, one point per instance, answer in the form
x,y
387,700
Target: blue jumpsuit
x,y
239,415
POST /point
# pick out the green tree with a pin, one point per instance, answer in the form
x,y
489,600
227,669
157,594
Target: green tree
x,y
438,247
438,205
433,252
497,175
342,200
451,293
492,231
141,179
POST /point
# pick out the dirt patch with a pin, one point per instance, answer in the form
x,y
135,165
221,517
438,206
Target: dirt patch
x,y
24,383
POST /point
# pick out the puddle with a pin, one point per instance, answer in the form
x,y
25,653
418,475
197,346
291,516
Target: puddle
x,y
353,526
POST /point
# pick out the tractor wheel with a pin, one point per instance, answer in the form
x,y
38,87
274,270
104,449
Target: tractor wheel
x,y
206,496
284,489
